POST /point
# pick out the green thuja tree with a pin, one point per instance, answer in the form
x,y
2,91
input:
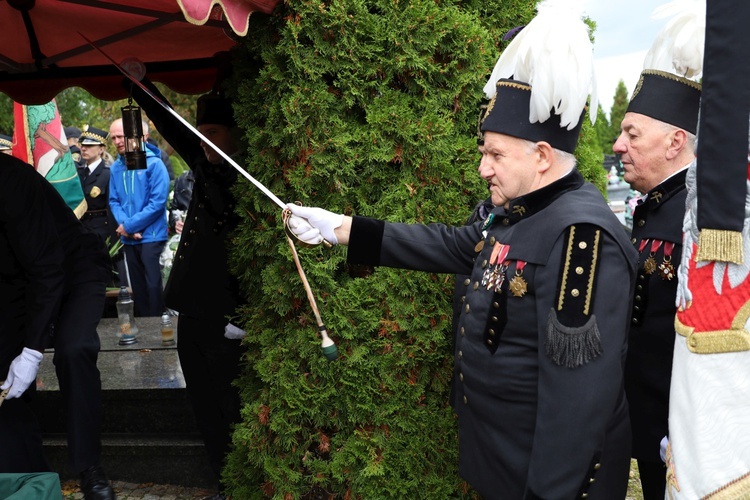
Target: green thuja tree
x,y
619,107
366,108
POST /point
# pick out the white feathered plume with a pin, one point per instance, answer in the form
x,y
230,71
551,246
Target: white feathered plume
x,y
678,48
554,54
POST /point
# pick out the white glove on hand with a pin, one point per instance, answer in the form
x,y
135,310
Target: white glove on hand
x,y
232,332
663,448
313,225
22,372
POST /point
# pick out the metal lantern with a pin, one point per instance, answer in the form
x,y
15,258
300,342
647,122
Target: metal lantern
x,y
135,144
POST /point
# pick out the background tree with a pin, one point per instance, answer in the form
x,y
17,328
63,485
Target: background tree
x,y
617,113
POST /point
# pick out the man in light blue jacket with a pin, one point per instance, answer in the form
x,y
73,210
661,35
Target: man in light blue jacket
x,y
138,200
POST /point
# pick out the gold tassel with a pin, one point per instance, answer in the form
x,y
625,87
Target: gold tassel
x,y
720,245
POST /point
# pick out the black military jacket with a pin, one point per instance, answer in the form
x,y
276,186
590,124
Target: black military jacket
x,y
44,251
657,234
199,284
96,190
539,391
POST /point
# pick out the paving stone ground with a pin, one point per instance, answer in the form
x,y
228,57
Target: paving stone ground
x,y
143,491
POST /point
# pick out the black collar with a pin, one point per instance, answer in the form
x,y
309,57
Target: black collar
x,y
665,190
527,205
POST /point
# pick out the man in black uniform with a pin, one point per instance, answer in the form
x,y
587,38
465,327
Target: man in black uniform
x,y
52,280
200,286
657,144
542,334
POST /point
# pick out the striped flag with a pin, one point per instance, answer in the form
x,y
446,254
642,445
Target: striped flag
x,y
39,140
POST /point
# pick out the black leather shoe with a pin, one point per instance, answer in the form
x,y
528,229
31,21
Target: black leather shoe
x,y
95,485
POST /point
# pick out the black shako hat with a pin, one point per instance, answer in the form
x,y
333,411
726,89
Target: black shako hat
x,y
215,109
508,113
6,142
668,98
92,136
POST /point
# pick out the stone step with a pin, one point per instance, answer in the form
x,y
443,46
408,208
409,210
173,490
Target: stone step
x,y
149,432
142,458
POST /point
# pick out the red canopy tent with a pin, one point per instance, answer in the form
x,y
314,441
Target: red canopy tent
x,y
42,52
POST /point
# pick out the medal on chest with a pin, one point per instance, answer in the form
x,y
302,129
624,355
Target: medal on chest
x,y
494,276
666,269
649,266
518,286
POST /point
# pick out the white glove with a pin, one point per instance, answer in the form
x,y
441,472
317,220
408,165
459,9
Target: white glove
x,y
22,372
313,225
232,332
663,448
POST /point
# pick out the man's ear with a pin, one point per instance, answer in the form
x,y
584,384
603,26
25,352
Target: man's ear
x,y
677,144
544,155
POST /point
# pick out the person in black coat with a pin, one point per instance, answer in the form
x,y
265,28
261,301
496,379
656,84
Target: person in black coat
x,y
52,283
542,334
95,183
657,144
200,286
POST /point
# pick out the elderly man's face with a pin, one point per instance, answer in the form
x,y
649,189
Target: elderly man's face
x,y
643,144
508,166
117,137
222,138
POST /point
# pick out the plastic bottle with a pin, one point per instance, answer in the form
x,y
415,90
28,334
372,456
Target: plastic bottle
x,y
126,318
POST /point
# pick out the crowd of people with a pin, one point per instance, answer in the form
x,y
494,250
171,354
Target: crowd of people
x,y
564,323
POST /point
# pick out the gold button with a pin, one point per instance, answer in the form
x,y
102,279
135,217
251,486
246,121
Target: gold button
x,y
639,287
597,466
460,355
635,321
494,318
484,263
638,297
506,222
463,331
466,401
582,245
574,292
491,332
641,223
463,299
579,270
636,308
467,281
633,240
585,495
489,341
461,377
467,308
641,277
496,305
476,285
591,480
479,246
492,240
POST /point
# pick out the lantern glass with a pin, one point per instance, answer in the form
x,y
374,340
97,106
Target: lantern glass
x,y
135,145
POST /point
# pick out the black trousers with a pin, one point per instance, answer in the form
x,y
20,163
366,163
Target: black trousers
x,y
145,277
210,363
76,344
653,479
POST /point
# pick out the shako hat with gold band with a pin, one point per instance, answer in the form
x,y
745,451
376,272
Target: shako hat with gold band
x,y
667,90
542,81
92,136
6,142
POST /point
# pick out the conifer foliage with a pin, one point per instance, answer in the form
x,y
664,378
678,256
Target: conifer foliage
x,y
363,107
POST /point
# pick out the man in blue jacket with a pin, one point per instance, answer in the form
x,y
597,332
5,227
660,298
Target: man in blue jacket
x,y
138,199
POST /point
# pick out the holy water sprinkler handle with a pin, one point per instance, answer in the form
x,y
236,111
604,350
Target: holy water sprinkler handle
x,y
327,346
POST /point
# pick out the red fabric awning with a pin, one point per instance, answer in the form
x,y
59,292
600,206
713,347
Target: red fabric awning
x,y
42,53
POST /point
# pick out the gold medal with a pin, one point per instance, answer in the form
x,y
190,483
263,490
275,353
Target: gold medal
x,y
518,286
666,270
650,265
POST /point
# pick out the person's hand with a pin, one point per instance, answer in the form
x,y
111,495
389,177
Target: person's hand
x,y
121,231
663,448
137,236
178,226
233,332
22,372
313,225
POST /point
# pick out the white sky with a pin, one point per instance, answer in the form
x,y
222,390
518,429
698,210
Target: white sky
x,y
624,33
